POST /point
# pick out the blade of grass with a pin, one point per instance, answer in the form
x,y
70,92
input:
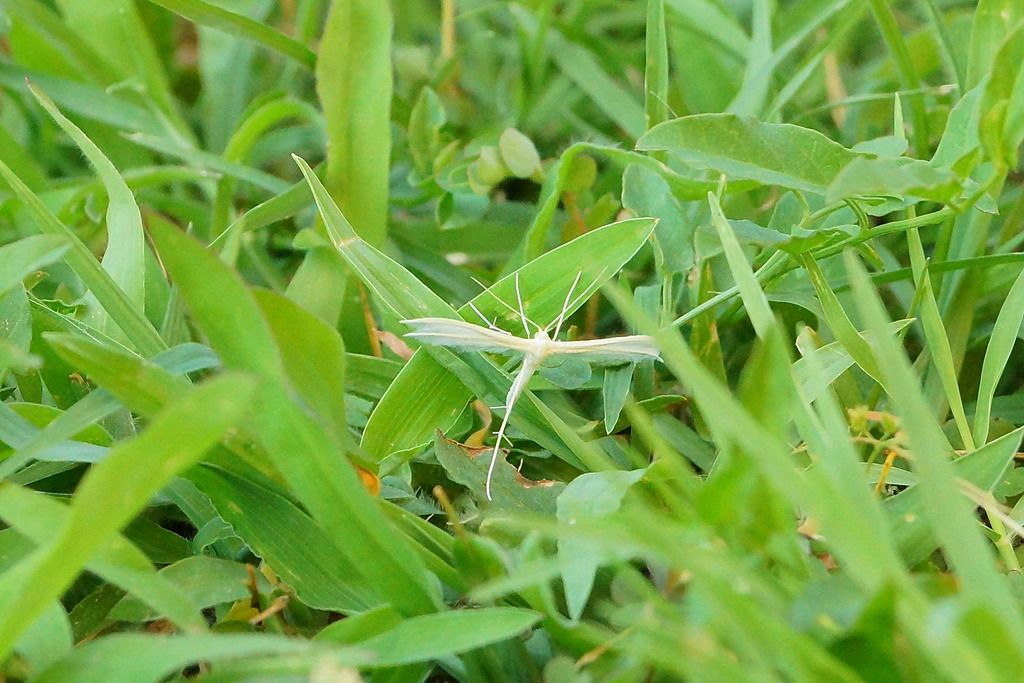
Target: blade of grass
x,y
353,76
750,291
207,14
114,491
656,67
323,479
124,257
122,311
909,78
1000,344
949,514
120,562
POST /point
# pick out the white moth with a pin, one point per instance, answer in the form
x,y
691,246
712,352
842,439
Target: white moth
x,y
534,349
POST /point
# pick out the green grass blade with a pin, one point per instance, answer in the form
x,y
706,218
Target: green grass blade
x,y
909,78
208,14
122,311
948,513
656,68
751,293
438,635
839,322
119,562
1000,344
299,550
580,65
146,658
353,75
323,479
942,355
756,80
124,257
136,470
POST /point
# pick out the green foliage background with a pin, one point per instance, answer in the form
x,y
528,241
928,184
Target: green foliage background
x,y
222,461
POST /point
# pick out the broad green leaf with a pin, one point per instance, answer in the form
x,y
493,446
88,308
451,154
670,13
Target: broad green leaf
x,y
518,153
743,148
961,136
1001,127
646,193
864,177
587,498
614,392
425,122
511,493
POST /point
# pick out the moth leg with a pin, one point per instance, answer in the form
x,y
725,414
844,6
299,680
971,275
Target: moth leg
x,y
496,453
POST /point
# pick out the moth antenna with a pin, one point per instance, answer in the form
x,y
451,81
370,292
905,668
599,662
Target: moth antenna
x,y
522,310
512,309
565,304
586,293
484,318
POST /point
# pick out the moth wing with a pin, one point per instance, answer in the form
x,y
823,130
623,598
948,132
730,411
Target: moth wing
x,y
610,351
458,334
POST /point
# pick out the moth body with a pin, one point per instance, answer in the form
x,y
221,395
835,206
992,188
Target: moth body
x,y
459,334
